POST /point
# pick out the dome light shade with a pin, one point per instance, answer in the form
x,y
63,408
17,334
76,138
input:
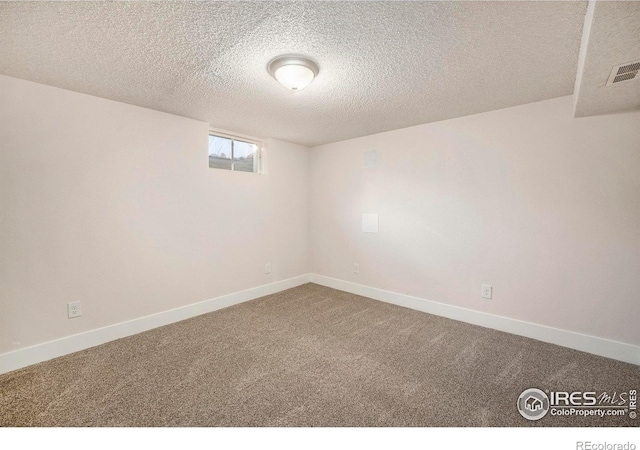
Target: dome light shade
x,y
293,72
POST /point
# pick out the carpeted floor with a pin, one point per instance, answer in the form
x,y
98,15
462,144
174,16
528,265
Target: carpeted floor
x,y
308,356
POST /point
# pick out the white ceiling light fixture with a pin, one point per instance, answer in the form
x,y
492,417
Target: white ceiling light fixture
x,y
293,72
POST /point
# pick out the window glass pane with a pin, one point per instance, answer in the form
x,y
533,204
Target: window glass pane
x,y
219,153
245,156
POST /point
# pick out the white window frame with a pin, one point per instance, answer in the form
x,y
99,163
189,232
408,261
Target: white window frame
x,y
257,161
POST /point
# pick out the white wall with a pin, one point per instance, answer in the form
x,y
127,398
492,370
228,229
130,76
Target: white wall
x,y
544,207
115,206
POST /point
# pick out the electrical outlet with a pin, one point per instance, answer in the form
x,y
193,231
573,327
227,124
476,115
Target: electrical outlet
x,y
267,268
487,291
356,268
74,310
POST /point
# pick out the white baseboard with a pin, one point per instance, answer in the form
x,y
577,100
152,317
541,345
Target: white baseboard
x,y
598,346
48,350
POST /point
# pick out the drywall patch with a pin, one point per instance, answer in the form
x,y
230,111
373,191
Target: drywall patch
x,y
369,223
370,159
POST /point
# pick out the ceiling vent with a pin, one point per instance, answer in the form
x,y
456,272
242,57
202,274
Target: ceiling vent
x,y
624,72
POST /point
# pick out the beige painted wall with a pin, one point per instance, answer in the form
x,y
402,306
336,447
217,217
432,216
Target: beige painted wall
x,y
115,206
544,207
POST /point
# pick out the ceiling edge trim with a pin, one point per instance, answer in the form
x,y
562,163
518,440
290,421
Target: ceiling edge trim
x,y
584,44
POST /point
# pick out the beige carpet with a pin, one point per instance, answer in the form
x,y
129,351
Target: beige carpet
x,y
308,356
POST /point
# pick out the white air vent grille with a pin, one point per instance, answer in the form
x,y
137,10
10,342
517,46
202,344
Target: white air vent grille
x,y
624,72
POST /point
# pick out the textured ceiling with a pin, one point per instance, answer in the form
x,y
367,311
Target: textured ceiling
x,y
383,65
612,38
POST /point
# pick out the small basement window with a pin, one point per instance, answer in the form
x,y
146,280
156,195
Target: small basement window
x,y
234,153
